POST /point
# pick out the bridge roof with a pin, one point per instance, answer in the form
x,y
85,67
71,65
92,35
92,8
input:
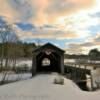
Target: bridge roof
x,y
49,46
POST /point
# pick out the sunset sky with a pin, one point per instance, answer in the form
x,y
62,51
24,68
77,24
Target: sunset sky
x,y
73,25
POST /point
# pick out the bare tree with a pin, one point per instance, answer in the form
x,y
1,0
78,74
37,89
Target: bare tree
x,y
8,50
3,36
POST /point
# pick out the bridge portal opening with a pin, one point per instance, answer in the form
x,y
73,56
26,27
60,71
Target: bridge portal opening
x,y
48,63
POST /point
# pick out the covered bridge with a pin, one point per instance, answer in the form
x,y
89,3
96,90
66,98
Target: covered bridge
x,y
48,58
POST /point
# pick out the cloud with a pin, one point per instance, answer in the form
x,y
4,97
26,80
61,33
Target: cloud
x,y
6,11
74,48
59,8
39,33
97,38
22,8
40,12
84,47
66,6
87,44
61,20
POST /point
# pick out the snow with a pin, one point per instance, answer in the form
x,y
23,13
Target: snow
x,y
95,76
20,63
12,77
41,87
24,62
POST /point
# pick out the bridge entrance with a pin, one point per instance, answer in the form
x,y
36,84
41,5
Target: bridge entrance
x,y
48,58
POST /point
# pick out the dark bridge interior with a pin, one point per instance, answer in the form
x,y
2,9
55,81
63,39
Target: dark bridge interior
x,y
48,58
48,62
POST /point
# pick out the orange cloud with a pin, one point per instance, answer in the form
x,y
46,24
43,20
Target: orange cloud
x,y
46,34
49,11
67,36
41,12
60,8
6,11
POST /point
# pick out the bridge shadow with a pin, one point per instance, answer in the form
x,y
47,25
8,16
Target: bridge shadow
x,y
82,86
78,76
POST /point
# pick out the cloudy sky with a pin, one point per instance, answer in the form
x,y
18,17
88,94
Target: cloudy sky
x,y
73,25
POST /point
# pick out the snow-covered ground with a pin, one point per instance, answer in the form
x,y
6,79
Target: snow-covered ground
x,y
20,62
80,60
41,87
11,77
24,62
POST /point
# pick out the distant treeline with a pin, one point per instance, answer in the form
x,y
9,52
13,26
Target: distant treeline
x,y
24,50
18,50
94,54
74,56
